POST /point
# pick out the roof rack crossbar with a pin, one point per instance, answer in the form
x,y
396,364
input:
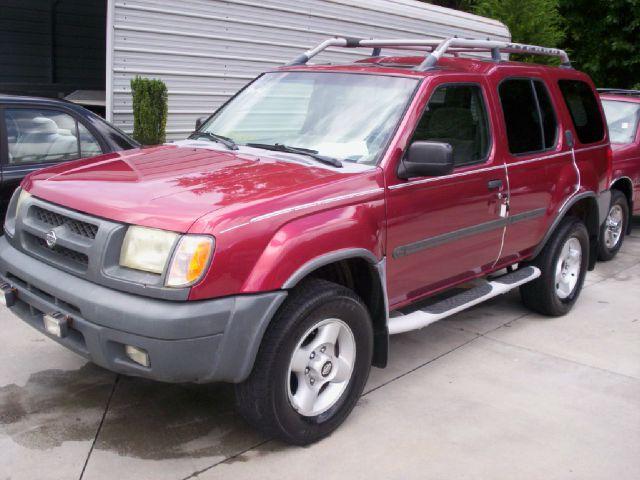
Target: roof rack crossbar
x,y
437,48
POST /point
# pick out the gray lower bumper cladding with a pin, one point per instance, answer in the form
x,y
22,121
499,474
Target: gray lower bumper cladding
x,y
198,341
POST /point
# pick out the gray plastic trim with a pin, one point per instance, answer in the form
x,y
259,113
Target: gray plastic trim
x,y
431,242
562,212
326,259
196,341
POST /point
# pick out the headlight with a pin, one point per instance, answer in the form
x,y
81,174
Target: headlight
x,y
147,249
21,198
190,260
18,197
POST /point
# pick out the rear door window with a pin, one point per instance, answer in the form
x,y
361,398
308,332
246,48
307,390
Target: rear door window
x,y
583,107
548,114
529,115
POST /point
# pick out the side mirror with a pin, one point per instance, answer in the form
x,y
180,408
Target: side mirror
x,y
200,121
426,159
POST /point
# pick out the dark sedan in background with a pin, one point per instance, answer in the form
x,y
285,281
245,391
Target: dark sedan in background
x,y
36,132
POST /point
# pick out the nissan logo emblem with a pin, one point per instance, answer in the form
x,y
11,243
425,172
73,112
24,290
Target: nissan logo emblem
x,y
51,239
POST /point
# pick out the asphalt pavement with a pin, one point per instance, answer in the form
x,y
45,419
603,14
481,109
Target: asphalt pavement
x,y
496,392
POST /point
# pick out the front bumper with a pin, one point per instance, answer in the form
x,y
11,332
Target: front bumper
x,y
199,341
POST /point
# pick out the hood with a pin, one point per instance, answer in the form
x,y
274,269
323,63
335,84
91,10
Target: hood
x,y
171,186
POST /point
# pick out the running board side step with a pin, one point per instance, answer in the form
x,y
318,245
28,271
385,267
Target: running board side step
x,y
462,301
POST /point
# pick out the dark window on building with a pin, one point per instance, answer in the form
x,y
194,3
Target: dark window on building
x,y
456,115
583,107
528,114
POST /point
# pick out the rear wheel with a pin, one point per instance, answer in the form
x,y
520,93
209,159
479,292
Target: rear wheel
x,y
312,365
614,227
563,263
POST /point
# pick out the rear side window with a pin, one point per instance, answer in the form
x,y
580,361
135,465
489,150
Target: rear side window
x,y
549,124
583,107
528,115
456,115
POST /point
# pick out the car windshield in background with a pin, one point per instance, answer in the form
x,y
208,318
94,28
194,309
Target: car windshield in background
x,y
622,119
339,115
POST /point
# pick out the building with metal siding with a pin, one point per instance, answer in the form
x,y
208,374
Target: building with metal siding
x,y
52,47
206,50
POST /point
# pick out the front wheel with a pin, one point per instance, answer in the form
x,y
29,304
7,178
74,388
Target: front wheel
x,y
312,366
563,263
614,227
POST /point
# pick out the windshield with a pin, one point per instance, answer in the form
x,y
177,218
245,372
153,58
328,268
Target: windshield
x,y
622,119
340,115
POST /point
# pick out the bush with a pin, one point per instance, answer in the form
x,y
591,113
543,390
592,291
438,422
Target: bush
x,y
150,105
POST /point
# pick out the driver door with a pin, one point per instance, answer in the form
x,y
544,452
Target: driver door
x,y
443,230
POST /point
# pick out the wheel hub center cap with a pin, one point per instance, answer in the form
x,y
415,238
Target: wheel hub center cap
x,y
326,369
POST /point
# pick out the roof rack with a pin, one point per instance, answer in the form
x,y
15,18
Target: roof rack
x,y
436,48
619,91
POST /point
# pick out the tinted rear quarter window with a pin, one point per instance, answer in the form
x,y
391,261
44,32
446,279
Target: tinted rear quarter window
x,y
583,107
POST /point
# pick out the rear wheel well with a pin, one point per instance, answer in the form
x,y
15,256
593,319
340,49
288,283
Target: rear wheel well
x,y
587,211
360,276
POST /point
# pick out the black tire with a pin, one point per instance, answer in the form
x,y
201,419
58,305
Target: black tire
x,y
541,295
263,398
607,251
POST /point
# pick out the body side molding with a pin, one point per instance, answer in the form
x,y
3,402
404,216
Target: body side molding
x,y
431,242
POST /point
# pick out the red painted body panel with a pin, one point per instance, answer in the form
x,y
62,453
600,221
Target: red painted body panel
x,y
260,247
418,211
170,187
270,217
626,157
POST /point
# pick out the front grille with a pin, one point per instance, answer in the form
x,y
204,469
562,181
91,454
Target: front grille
x,y
78,227
72,255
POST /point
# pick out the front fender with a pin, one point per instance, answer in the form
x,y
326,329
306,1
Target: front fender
x,y
304,244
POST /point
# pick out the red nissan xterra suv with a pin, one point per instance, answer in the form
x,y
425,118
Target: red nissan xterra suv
x,y
622,112
314,215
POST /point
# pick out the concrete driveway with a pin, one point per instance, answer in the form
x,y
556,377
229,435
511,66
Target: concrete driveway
x,y
493,393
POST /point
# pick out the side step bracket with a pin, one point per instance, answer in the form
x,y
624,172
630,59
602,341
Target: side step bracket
x,y
462,301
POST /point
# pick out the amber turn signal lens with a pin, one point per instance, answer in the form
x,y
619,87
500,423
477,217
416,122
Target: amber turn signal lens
x,y
198,261
190,260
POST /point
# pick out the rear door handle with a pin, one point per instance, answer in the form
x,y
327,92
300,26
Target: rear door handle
x,y
494,184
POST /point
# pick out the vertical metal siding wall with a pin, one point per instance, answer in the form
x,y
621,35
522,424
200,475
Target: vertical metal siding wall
x,y
205,50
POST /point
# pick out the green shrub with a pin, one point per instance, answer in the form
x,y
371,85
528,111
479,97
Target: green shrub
x,y
150,105
534,22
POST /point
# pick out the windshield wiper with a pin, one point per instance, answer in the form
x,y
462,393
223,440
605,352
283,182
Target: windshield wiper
x,y
279,147
226,141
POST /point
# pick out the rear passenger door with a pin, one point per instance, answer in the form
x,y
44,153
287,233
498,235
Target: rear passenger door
x,y
536,161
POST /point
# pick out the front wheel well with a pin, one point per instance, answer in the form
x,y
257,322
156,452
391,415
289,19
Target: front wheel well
x,y
363,278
